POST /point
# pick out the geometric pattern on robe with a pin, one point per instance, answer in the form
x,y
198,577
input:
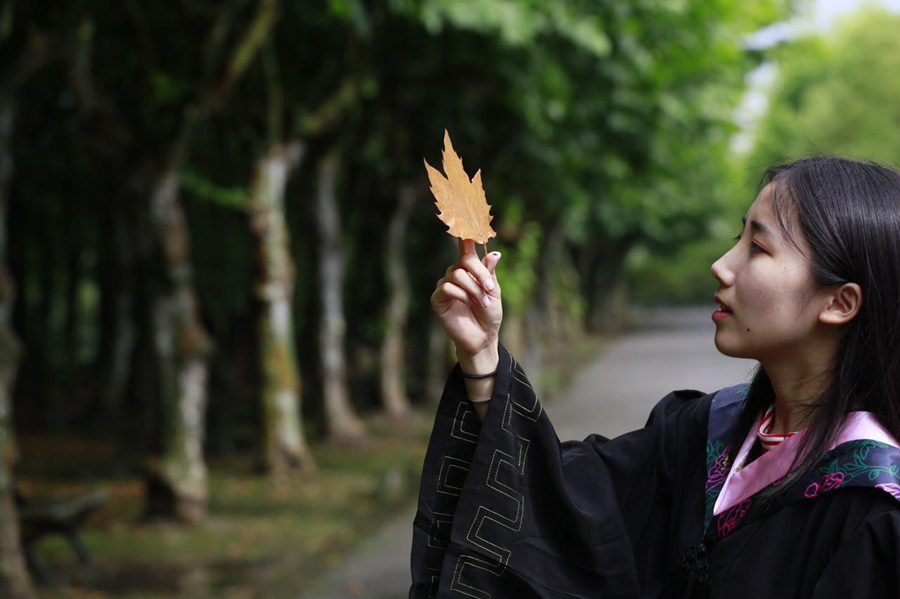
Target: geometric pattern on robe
x,y
506,510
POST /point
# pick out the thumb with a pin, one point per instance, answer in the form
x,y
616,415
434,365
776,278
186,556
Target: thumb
x,y
491,260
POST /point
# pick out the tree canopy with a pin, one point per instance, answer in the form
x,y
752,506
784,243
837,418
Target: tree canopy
x,y
836,95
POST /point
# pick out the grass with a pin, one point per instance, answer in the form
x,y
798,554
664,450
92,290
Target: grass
x,y
262,538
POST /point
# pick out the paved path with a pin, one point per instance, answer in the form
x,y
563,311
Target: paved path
x,y
673,349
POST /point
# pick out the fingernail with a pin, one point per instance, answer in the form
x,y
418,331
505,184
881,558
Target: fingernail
x,y
489,284
485,301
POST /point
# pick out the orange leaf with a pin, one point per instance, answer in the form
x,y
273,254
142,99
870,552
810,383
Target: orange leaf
x,y
462,204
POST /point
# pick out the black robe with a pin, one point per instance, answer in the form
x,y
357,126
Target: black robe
x,y
508,511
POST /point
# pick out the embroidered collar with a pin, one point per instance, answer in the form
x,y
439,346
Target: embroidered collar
x,y
745,481
862,448
767,439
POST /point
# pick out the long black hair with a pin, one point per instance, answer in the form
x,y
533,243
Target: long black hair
x,y
849,213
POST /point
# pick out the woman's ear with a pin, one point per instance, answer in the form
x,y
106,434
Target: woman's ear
x,y
843,304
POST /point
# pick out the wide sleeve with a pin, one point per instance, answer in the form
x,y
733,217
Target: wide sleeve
x,y
506,510
867,564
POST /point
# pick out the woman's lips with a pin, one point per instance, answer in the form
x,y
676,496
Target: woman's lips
x,y
720,315
723,312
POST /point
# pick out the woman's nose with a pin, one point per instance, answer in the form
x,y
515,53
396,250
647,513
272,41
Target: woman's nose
x,y
722,272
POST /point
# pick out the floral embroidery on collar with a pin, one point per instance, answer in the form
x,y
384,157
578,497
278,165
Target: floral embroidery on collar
x,y
724,411
858,463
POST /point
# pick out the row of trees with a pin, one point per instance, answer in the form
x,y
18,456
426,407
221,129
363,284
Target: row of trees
x,y
836,95
170,173
832,94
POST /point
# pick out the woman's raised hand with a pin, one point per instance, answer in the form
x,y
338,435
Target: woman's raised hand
x,y
467,300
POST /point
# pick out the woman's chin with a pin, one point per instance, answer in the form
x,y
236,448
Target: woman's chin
x,y
730,349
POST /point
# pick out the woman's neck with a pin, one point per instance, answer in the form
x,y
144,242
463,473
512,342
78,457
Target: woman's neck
x,y
797,384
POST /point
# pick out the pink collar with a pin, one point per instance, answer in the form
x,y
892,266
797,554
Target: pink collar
x,y
742,482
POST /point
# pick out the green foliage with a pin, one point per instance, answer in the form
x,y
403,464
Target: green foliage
x,y
517,22
682,278
517,268
836,96
255,523
597,126
832,96
167,90
204,189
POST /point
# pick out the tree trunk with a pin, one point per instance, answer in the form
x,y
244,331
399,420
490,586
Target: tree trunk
x,y
393,348
552,270
74,275
601,271
117,311
135,301
535,339
441,358
567,304
512,336
284,447
41,344
441,349
341,422
177,486
14,580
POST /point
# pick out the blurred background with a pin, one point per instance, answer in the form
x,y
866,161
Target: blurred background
x,y
218,362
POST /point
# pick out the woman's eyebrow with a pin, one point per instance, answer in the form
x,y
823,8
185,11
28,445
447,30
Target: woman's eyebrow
x,y
758,226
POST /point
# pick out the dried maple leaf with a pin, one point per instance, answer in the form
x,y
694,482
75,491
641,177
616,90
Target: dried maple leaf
x,y
464,208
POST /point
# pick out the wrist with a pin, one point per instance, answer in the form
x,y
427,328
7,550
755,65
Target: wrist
x,y
482,362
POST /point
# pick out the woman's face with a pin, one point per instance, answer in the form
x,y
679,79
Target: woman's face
x,y
767,289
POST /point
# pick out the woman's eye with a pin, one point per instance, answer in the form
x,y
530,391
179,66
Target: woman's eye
x,y
754,249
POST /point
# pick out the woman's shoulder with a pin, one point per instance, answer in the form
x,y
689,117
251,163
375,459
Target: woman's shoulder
x,y
699,403
690,407
692,418
865,515
679,421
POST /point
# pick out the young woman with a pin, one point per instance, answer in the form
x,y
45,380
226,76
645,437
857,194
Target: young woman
x,y
786,487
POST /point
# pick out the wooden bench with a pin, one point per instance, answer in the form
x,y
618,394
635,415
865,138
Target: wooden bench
x,y
55,517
